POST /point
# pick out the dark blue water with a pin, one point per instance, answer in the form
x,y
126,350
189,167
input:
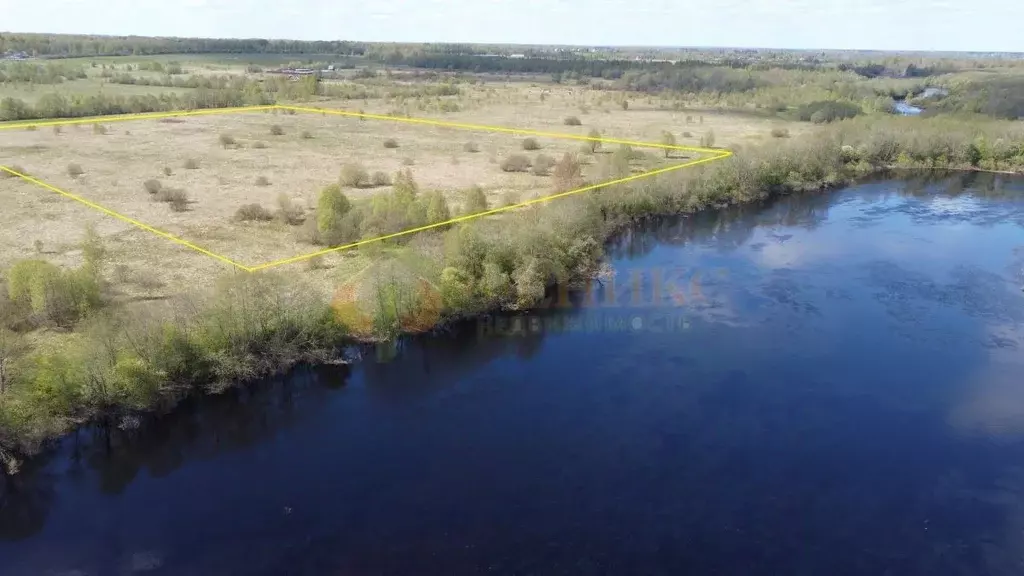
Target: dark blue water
x,y
828,385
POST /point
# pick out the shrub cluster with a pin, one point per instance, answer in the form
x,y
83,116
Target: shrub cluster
x,y
253,213
354,175
515,163
175,197
825,111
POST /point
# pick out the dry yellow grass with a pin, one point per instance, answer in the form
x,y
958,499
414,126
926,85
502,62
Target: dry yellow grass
x,y
116,166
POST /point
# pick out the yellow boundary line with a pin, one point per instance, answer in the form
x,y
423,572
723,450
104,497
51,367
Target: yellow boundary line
x,y
124,218
718,155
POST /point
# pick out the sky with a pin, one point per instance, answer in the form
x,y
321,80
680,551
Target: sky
x,y
979,25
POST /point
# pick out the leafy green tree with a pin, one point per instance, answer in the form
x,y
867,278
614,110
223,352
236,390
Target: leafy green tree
x,y
405,187
495,284
416,213
530,282
456,289
466,249
331,208
437,208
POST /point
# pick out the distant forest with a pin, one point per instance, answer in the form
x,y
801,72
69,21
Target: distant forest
x,y
61,45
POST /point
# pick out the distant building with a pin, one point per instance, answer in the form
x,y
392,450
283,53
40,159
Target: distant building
x,y
15,56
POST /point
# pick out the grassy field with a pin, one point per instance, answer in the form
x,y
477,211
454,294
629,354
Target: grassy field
x,y
298,164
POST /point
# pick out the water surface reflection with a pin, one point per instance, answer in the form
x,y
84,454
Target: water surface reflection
x,y
826,384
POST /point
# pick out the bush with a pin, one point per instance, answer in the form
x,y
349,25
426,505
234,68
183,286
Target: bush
x,y
824,111
568,171
192,164
306,135
152,186
515,163
253,213
59,297
168,171
99,129
542,165
179,201
276,130
381,179
227,140
26,280
594,145
288,212
408,161
437,208
618,164
259,145
471,147
780,132
405,185
572,121
354,176
474,201
391,143
262,181
531,144
176,197
331,209
75,170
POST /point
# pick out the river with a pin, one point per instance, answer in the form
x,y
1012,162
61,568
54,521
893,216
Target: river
x,y
903,108
829,384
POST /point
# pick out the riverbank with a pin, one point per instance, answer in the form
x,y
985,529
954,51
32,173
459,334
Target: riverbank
x,y
116,362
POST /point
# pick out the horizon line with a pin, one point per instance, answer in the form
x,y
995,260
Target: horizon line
x,y
554,45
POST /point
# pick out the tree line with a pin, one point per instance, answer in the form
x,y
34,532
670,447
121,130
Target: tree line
x,y
694,76
48,73
1000,97
61,45
55,105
